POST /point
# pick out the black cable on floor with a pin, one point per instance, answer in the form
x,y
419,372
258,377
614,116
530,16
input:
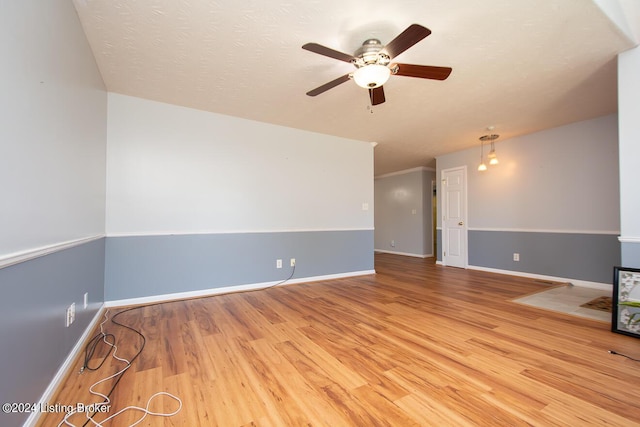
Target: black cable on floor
x,y
130,362
623,355
90,350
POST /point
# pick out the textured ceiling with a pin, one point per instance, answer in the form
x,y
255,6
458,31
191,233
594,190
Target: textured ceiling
x,y
518,65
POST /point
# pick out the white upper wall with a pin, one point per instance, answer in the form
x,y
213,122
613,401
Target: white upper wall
x,y
53,118
560,179
629,111
172,169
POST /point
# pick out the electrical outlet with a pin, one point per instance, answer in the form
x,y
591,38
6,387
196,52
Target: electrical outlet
x,y
86,300
293,262
393,243
278,263
516,256
71,314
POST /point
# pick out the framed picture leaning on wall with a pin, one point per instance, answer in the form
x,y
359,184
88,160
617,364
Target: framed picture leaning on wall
x,y
625,310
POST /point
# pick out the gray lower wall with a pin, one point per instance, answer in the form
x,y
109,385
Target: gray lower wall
x,y
630,255
143,266
589,257
35,340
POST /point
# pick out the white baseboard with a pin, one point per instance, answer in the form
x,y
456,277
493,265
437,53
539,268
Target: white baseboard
x,y
217,291
404,253
66,365
575,282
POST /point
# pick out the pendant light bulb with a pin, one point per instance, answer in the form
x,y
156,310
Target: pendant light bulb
x,y
493,159
482,166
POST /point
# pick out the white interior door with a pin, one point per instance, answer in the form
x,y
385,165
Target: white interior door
x,y
454,217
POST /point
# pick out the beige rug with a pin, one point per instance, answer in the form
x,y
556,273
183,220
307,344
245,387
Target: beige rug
x,y
568,299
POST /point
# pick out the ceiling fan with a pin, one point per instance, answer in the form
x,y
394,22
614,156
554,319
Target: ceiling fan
x,y
373,63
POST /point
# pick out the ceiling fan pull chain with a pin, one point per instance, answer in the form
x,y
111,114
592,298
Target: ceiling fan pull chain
x,y
371,104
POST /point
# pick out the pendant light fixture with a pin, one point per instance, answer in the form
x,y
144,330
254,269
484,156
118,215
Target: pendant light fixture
x,y
493,158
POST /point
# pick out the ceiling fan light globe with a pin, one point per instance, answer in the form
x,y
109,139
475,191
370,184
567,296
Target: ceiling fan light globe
x,y
371,76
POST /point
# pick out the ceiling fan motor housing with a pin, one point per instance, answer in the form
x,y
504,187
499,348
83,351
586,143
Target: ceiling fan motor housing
x,y
369,53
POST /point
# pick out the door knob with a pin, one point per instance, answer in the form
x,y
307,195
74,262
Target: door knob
x,y
461,223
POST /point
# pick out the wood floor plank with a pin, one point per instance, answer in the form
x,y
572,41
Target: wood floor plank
x,y
414,344
587,416
313,407
199,404
381,408
429,412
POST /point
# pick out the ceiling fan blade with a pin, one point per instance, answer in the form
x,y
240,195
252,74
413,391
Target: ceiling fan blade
x,y
325,87
422,71
376,95
323,50
412,35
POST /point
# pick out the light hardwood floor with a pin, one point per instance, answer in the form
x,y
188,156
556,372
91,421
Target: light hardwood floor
x,y
414,344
